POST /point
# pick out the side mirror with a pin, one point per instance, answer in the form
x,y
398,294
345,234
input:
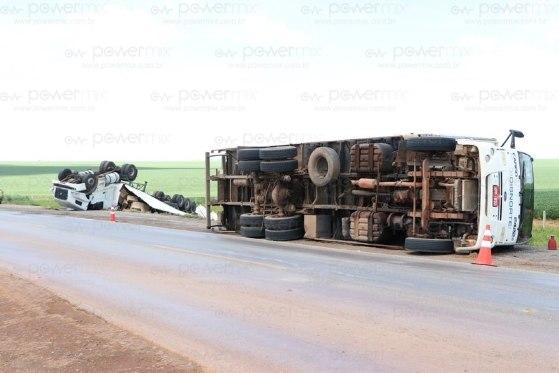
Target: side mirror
x,y
513,135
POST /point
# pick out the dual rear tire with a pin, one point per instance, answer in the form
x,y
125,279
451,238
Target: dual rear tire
x,y
284,228
272,227
285,235
252,225
277,159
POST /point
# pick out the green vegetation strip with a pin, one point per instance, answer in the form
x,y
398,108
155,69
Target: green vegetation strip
x,y
546,173
540,235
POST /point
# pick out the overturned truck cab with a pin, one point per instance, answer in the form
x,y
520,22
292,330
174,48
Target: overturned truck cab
x,y
424,192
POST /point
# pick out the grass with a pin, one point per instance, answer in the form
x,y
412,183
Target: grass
x,y
546,174
540,234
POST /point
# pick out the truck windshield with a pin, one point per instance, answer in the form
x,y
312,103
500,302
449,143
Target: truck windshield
x,y
527,208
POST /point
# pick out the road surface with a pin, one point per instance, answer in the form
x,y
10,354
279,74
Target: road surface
x,y
231,303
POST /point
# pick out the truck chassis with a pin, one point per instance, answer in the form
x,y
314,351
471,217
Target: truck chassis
x,y
419,191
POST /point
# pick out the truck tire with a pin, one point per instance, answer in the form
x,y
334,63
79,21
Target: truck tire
x,y
159,195
248,154
192,208
178,199
287,165
248,166
278,153
431,144
324,166
285,235
280,223
185,206
128,172
90,182
63,174
252,232
429,245
251,220
107,166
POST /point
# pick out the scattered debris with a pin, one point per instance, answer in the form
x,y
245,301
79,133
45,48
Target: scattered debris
x,y
201,212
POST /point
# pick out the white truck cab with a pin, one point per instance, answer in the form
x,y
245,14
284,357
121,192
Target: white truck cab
x,y
506,199
75,197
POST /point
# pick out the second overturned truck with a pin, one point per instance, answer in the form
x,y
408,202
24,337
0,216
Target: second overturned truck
x,y
426,193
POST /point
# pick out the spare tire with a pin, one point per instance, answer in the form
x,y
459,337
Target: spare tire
x,y
251,220
279,223
128,172
285,235
324,166
431,144
278,153
248,166
429,245
287,165
63,174
248,154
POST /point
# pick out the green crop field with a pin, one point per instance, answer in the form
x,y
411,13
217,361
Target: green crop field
x,y
546,173
30,182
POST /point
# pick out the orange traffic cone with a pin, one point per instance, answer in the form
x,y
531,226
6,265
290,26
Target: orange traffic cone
x,y
552,243
112,215
484,256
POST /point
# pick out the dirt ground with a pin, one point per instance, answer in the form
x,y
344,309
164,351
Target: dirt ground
x,y
522,257
42,332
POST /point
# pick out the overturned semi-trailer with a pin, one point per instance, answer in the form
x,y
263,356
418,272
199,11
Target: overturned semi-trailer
x,y
427,193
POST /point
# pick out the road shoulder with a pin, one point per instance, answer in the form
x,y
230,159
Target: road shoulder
x,y
42,332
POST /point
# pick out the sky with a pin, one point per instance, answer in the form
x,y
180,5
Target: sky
x,y
162,80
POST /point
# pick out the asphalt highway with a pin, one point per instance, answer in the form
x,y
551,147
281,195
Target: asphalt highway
x,y
231,303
